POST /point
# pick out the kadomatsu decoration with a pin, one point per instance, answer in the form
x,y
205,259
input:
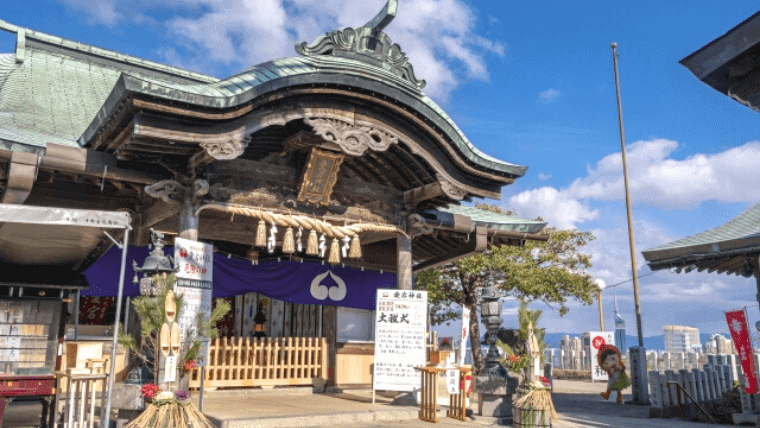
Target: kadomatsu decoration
x,y
160,336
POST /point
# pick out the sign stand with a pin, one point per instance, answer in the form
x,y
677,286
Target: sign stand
x,y
195,262
400,325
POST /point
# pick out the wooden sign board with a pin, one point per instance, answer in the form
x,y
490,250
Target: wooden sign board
x,y
319,176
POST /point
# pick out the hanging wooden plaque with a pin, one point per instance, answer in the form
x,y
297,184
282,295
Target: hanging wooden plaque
x,y
319,176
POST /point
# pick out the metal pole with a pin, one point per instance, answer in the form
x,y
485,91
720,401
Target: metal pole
x,y
601,315
628,201
200,397
126,315
76,316
105,420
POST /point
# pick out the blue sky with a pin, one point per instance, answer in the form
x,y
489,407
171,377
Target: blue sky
x,y
530,83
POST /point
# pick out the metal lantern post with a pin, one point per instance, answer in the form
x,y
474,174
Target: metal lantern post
x,y
600,285
156,263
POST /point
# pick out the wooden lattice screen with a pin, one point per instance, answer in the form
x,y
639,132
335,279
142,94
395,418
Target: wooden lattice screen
x,y
248,361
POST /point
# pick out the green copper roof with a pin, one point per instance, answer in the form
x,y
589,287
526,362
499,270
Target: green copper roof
x,y
294,71
492,220
52,88
60,91
741,231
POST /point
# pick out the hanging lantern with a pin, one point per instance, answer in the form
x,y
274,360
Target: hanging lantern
x,y
334,258
356,248
288,246
260,322
261,234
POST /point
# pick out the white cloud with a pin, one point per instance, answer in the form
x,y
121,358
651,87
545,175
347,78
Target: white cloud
x,y
438,36
656,179
554,206
664,182
549,95
544,177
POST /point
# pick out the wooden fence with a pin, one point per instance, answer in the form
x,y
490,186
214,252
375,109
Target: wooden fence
x,y
248,361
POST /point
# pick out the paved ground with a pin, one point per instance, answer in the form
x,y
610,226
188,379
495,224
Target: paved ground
x,y
578,404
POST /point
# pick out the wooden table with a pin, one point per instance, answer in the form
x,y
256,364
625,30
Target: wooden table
x,y
41,386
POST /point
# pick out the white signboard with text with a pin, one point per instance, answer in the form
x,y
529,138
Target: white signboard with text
x,y
598,339
400,325
195,273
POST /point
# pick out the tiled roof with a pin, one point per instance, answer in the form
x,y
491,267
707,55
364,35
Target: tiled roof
x,y
56,87
494,220
64,90
745,225
736,237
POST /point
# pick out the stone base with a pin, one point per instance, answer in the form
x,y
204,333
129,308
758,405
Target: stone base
x,y
127,397
494,385
126,416
495,406
744,418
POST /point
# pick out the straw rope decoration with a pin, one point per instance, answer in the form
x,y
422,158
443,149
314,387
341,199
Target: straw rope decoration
x,y
314,225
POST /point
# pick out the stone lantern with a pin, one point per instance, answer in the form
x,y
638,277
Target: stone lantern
x,y
494,384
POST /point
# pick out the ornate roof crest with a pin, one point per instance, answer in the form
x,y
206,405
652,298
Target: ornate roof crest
x,y
367,43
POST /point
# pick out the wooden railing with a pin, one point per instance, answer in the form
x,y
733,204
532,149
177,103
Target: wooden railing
x,y
248,361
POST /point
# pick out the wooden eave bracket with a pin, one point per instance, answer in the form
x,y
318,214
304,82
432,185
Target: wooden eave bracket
x,y
22,172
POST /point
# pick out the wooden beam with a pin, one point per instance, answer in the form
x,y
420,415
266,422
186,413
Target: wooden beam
x,y
420,194
157,212
477,244
721,265
738,261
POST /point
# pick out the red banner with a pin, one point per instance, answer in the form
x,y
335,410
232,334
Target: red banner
x,y
737,325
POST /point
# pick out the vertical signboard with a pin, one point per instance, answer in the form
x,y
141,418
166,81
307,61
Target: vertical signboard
x,y
400,324
194,261
599,339
464,335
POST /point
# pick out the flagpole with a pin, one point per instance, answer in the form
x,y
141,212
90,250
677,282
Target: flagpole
x,y
637,354
628,201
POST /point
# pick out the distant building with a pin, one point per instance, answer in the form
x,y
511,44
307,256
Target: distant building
x,y
619,330
719,344
680,338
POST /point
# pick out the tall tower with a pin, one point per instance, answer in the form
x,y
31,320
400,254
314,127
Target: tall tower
x,y
619,330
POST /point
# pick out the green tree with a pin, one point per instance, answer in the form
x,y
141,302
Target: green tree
x,y
552,271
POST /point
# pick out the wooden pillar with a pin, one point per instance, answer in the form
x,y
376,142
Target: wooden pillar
x,y
404,262
330,333
188,220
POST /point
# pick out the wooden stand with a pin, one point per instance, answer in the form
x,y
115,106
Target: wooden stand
x,y
429,393
458,402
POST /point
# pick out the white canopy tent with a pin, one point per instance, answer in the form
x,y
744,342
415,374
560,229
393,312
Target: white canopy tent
x,y
69,240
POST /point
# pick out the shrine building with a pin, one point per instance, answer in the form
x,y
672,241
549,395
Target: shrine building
x,y
356,177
